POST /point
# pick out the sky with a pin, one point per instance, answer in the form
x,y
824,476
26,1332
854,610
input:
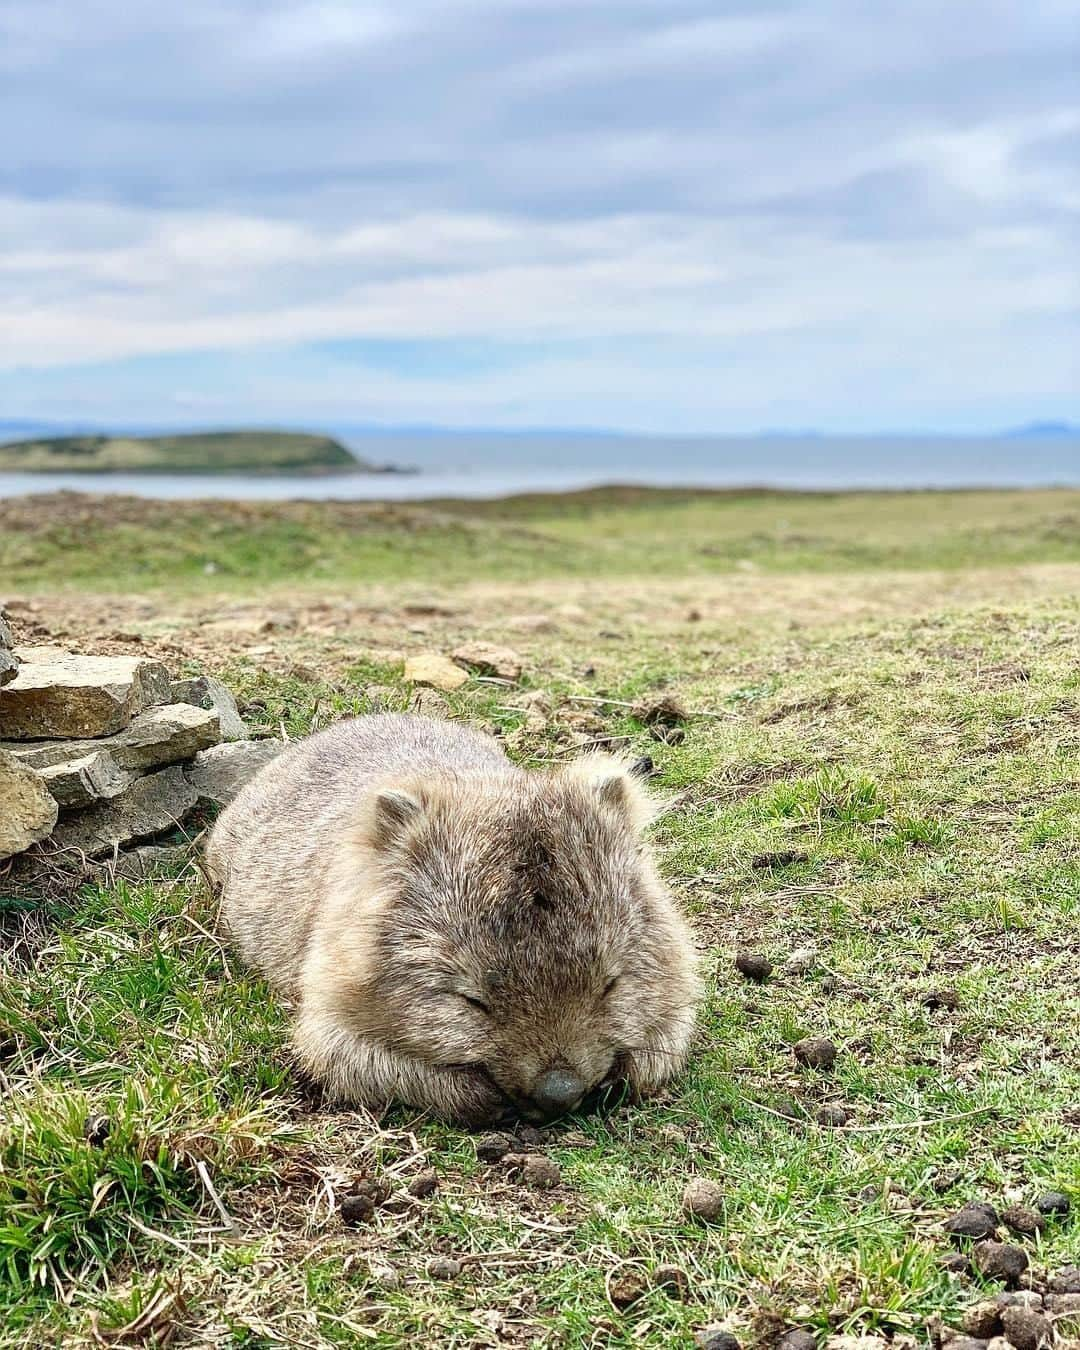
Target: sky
x,y
652,215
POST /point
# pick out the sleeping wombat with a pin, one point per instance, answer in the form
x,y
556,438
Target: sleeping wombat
x,y
456,933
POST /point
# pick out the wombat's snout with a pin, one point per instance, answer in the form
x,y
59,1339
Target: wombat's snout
x,y
557,1091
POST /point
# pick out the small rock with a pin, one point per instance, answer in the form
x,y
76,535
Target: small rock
x,y
219,773
716,1338
754,966
357,1209
96,1130
673,1280
424,1184
212,696
1066,1281
1023,1220
1053,1202
444,1268
152,805
626,1289
68,696
831,1114
798,1338
955,1263
941,998
665,710
786,857
999,1261
703,1199
28,810
801,961
975,1221
816,1052
1026,1329
488,659
436,670
982,1320
531,1137
491,1147
540,1173
87,779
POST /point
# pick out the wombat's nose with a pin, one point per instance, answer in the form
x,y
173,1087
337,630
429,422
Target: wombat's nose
x,y
557,1091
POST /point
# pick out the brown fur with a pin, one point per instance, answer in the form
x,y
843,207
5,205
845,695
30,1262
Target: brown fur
x,y
393,872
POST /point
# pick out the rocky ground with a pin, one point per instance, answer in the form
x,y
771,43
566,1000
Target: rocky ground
x,y
873,788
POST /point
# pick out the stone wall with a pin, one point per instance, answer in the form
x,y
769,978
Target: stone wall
x,y
100,754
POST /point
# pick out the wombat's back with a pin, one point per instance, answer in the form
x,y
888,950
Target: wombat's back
x,y
273,850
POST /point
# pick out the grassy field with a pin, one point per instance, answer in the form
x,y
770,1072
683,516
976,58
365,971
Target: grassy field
x,y
882,766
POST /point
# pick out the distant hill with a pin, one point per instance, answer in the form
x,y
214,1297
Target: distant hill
x,y
248,452
1043,430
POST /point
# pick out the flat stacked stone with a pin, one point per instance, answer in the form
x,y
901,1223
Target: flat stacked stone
x,y
9,662
99,753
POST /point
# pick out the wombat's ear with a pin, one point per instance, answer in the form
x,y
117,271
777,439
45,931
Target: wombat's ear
x,y
389,815
615,786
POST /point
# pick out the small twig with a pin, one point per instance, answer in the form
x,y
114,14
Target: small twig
x,y
226,1218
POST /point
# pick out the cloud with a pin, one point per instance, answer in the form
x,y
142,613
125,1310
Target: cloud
x,y
657,211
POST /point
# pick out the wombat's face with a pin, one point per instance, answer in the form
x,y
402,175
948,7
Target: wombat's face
x,y
526,935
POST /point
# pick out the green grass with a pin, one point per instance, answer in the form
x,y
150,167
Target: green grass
x,y
260,452
916,751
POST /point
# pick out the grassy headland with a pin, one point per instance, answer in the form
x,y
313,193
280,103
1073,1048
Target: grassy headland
x,y
881,773
247,452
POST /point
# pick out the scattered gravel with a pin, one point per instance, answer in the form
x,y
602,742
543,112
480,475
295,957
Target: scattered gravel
x,y
754,966
816,1052
703,1199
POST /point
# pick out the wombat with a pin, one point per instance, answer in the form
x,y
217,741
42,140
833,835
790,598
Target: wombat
x,y
456,933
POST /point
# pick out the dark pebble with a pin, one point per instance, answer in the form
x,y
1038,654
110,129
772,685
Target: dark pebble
x,y
444,1268
357,1209
754,966
492,1147
941,998
424,1184
1053,1202
673,1280
627,1289
1000,1261
816,1052
1026,1329
540,1173
1066,1281
96,1130
830,1114
1023,1220
716,1338
787,857
798,1338
974,1221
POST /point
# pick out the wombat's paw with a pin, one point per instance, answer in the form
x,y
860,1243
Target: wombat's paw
x,y
470,1098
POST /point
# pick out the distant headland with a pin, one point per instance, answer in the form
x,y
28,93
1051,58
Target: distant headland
x,y
264,453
